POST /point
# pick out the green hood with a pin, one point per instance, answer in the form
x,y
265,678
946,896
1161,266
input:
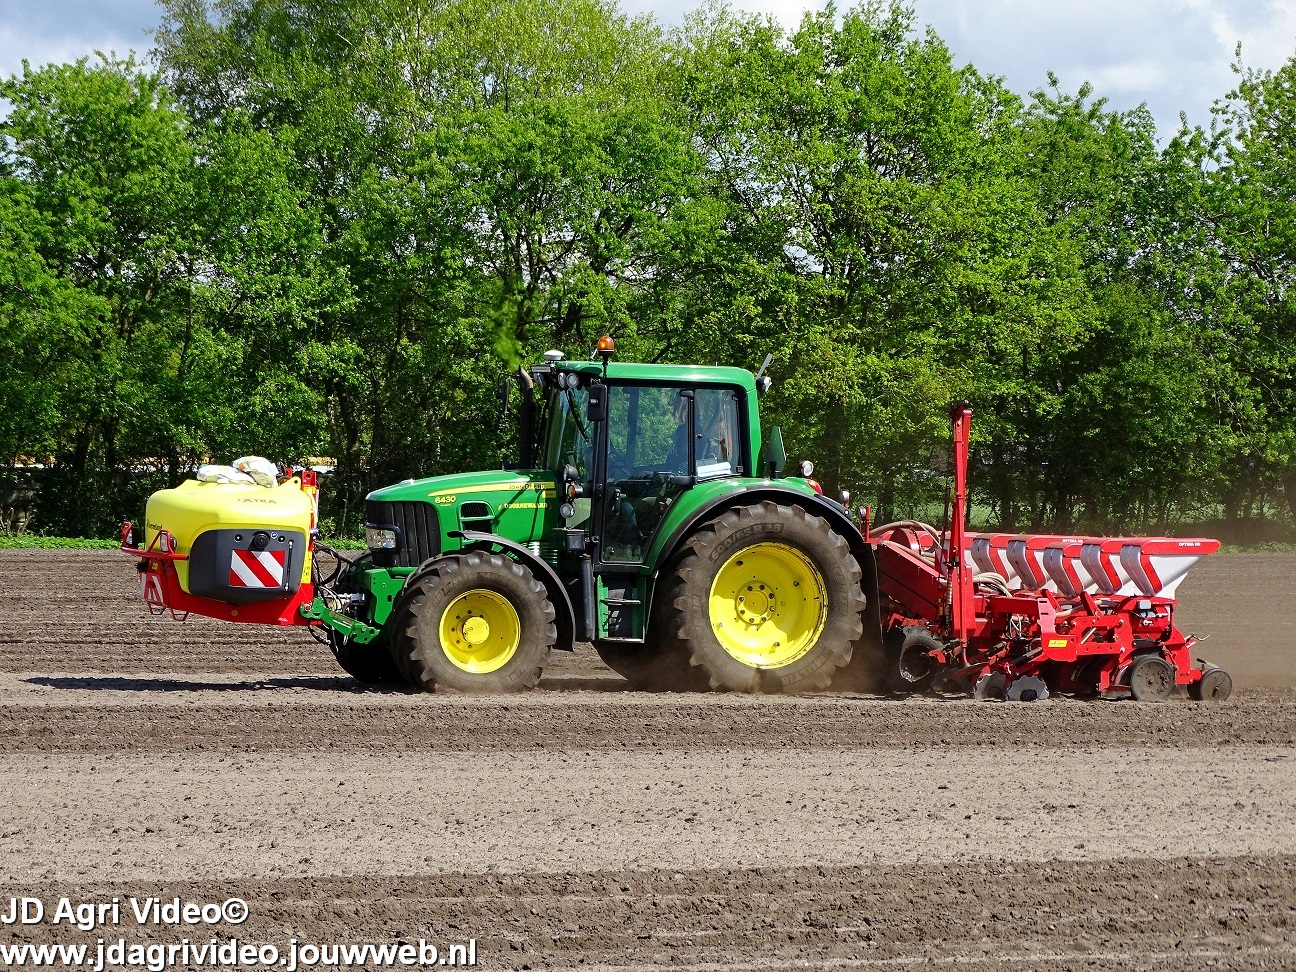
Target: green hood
x,y
519,505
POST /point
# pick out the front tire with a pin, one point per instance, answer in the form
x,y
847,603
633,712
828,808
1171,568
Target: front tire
x,y
371,664
767,598
475,622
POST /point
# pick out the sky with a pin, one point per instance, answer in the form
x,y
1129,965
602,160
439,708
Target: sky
x,y
1173,55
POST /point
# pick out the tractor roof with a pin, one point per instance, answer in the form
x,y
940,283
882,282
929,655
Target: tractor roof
x,y
682,374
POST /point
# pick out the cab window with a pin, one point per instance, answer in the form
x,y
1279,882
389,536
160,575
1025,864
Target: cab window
x,y
718,449
649,432
570,435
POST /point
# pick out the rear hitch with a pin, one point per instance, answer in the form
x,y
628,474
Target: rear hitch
x,y
356,630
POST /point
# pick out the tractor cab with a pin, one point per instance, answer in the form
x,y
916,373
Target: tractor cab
x,y
626,441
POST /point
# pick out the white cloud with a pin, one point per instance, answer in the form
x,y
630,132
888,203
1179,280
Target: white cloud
x,y
1172,54
44,31
1175,55
15,45
1136,79
1266,29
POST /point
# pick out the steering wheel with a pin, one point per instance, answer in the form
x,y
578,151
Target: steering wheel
x,y
665,480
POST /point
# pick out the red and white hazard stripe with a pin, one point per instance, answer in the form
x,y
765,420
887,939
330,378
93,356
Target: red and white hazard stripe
x,y
257,568
151,589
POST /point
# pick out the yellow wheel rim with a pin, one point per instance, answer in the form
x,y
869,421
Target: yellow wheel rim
x,y
768,605
480,631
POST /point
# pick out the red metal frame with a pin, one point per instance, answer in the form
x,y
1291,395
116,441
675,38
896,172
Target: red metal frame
x,y
954,568
161,590
1077,639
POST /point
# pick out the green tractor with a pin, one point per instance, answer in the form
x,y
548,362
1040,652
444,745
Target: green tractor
x,y
648,517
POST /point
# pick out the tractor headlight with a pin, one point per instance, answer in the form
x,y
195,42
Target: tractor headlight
x,y
380,538
806,468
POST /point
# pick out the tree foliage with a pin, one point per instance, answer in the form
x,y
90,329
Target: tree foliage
x,y
330,228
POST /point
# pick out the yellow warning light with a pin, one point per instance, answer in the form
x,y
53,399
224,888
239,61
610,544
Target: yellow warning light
x,y
606,345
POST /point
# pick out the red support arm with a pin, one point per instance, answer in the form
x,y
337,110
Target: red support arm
x,y
962,606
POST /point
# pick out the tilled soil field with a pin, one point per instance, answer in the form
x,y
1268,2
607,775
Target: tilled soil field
x,y
587,826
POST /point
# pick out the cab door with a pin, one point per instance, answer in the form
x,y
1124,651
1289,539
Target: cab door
x,y
659,441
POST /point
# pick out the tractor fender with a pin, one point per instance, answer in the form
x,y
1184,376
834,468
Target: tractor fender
x,y
836,516
544,573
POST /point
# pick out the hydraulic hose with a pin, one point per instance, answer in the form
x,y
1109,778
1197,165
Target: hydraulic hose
x,y
911,525
927,528
994,581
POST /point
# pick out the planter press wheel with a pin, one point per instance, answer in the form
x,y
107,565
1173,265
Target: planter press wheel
x,y
1152,679
1215,685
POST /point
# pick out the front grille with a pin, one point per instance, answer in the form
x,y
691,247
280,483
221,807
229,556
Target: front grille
x,y
420,534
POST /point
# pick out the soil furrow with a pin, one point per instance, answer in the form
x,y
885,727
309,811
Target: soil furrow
x,y
586,826
1176,913
347,721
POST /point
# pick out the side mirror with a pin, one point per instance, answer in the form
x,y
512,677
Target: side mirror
x,y
774,455
597,410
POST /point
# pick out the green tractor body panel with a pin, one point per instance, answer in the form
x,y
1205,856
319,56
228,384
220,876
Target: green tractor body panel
x,y
707,496
381,588
519,505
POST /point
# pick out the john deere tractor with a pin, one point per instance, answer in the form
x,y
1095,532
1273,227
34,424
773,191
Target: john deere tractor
x,y
649,517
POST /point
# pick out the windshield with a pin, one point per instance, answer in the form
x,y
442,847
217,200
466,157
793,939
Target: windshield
x,y
569,435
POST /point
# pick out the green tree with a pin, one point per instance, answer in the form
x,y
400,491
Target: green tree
x,y
1243,291
331,228
491,178
152,273
887,250
99,157
1102,430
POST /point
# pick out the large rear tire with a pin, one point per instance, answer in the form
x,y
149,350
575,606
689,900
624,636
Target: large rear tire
x,y
475,622
767,598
